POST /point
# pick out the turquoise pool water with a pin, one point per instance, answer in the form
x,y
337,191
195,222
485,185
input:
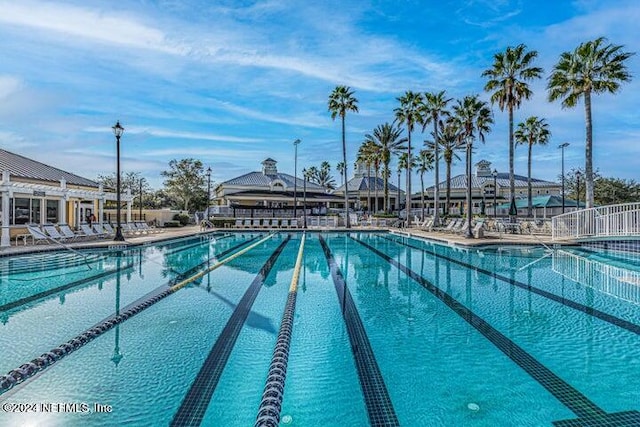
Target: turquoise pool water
x,y
508,336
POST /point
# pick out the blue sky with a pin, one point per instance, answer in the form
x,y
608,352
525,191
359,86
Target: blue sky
x,y
233,82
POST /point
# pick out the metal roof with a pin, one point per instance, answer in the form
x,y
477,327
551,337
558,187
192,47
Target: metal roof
x,y
363,183
258,179
24,167
502,180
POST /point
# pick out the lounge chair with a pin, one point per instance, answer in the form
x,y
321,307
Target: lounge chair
x,y
51,231
255,223
274,222
453,224
69,233
285,223
89,232
238,223
294,223
108,228
462,228
246,223
37,235
478,230
99,229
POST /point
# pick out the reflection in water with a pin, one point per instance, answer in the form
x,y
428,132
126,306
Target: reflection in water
x,y
254,320
117,356
616,281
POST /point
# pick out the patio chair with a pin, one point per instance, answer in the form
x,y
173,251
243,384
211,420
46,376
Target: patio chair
x,y
51,231
274,223
89,232
238,223
294,223
478,230
69,233
246,223
99,229
255,223
453,224
37,235
462,228
285,223
109,228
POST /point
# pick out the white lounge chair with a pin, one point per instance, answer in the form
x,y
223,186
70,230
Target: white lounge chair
x,y
99,229
88,231
294,223
255,223
51,231
285,223
37,235
69,233
109,228
238,223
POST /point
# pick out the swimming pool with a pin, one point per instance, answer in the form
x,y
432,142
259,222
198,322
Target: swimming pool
x,y
387,330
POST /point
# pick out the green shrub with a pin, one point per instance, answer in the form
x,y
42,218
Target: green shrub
x,y
221,222
184,219
173,223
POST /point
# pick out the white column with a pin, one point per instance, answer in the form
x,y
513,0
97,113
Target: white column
x,y
5,238
100,204
129,204
62,204
78,219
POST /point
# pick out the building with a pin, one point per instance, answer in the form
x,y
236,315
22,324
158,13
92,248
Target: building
x,y
35,193
269,193
366,190
485,183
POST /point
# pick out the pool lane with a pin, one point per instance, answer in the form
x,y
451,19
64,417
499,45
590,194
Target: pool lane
x,y
194,405
379,406
591,311
588,412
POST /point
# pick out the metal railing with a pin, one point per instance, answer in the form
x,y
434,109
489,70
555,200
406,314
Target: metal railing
x,y
605,221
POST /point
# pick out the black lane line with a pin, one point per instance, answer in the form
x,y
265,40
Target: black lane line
x,y
621,323
77,283
196,401
577,402
379,406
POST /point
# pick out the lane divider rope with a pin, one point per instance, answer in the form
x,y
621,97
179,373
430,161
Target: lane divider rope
x,y
271,403
40,363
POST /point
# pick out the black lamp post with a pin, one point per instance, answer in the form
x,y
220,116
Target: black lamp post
x,y
578,174
208,192
304,195
562,147
495,193
141,181
117,131
295,177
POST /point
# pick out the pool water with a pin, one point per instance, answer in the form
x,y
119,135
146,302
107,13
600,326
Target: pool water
x,y
386,327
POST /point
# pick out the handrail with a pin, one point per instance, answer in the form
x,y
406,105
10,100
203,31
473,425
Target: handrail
x,y
604,221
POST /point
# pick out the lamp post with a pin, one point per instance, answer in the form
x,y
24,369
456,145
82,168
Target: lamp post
x,y
304,195
117,131
562,147
295,177
398,199
141,181
208,193
578,174
495,193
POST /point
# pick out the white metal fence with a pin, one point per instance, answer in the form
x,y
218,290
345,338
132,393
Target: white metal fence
x,y
604,221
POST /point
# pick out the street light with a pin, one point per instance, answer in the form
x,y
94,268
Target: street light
x,y
562,147
117,131
208,192
495,193
304,195
295,177
578,174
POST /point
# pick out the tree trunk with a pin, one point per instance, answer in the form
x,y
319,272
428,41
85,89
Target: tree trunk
x,y
422,193
385,187
448,188
469,200
347,222
512,178
407,208
436,171
588,152
375,191
369,189
529,196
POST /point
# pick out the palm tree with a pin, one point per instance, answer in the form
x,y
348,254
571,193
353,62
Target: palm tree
x,y
425,163
342,100
507,78
365,156
532,131
323,176
341,168
434,109
409,114
592,67
404,164
450,142
473,118
389,141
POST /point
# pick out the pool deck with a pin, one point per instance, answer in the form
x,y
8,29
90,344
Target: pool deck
x,y
489,238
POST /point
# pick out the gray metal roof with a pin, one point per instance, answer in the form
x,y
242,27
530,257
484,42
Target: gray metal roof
x,y
363,183
24,167
502,179
258,179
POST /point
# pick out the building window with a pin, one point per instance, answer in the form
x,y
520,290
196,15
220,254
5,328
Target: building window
x,y
35,211
20,211
52,211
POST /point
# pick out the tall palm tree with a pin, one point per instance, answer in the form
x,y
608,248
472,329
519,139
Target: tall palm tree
x,y
425,162
409,114
530,132
593,67
365,156
342,100
389,142
474,120
450,142
323,176
434,109
507,79
340,167
404,164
